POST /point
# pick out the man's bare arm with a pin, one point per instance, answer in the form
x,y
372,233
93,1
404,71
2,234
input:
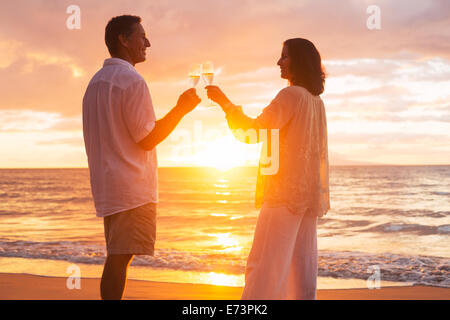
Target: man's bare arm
x,y
163,127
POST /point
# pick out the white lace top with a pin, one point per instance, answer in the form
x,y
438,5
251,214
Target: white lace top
x,y
301,182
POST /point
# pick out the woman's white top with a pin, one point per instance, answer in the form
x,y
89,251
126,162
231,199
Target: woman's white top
x,y
298,179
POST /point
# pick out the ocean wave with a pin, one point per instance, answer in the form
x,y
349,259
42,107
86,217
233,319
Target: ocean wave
x,y
370,211
418,270
341,224
411,228
425,270
10,195
439,193
388,227
63,200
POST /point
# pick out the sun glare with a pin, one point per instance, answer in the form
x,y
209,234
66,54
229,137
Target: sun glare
x,y
224,153
227,242
222,279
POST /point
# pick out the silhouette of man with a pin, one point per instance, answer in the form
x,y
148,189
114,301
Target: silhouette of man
x,y
120,134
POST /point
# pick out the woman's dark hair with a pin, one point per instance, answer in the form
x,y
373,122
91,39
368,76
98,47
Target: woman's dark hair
x,y
119,25
305,65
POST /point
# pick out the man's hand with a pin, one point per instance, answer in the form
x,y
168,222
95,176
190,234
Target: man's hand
x,y
188,100
163,127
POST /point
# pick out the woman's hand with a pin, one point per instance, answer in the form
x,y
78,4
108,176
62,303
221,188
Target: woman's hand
x,y
216,95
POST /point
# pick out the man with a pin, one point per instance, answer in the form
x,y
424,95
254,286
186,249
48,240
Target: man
x,y
120,134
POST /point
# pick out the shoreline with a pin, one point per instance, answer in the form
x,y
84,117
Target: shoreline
x,y
63,269
32,287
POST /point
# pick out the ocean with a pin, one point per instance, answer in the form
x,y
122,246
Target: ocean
x,y
392,222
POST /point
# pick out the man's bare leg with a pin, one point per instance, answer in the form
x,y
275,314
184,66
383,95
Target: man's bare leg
x,y
114,276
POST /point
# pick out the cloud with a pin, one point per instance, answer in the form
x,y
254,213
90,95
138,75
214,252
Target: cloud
x,y
380,139
76,142
399,74
248,32
50,65
40,86
30,121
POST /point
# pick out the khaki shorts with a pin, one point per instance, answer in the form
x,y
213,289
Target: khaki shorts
x,y
132,231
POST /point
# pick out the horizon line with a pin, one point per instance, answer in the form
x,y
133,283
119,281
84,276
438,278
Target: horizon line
x,y
212,167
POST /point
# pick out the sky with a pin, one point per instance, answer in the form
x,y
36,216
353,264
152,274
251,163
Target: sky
x,y
386,94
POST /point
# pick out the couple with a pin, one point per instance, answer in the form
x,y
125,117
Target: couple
x,y
121,132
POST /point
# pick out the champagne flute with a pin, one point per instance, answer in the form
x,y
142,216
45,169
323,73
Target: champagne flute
x,y
194,74
208,76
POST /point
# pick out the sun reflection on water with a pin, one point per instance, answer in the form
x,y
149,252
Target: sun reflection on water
x,y
223,193
220,185
228,242
222,279
218,214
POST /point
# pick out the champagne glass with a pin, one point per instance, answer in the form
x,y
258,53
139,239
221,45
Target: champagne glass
x,y
194,74
208,76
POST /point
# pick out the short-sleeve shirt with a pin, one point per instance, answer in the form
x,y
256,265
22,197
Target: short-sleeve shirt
x,y
301,179
117,114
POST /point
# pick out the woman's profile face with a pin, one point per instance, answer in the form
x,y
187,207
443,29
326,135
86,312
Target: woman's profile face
x,y
284,63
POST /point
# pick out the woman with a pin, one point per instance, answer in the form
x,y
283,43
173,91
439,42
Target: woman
x,y
282,263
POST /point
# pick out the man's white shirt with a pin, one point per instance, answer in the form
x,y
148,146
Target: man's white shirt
x,y
117,114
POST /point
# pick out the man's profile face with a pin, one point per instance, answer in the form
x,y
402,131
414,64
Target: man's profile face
x,y
137,43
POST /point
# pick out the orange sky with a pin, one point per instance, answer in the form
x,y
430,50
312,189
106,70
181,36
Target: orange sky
x,y
387,92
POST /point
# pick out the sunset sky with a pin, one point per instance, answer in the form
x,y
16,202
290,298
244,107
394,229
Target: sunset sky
x,y
387,94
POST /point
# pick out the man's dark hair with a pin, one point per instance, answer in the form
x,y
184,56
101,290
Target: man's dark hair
x,y
119,25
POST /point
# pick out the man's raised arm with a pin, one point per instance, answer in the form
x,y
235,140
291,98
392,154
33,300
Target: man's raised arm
x,y
163,127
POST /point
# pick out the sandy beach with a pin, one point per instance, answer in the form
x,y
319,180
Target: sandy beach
x,y
31,287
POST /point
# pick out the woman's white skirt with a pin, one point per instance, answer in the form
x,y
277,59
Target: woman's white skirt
x,y
282,263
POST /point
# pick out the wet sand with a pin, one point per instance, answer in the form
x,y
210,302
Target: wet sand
x,y
31,287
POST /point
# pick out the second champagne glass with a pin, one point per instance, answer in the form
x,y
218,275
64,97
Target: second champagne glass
x,y
208,76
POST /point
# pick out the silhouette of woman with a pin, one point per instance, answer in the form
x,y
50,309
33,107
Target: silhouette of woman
x,y
282,263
